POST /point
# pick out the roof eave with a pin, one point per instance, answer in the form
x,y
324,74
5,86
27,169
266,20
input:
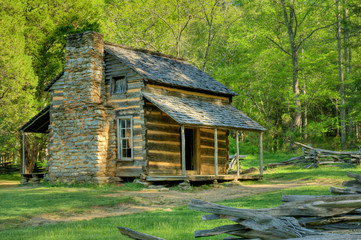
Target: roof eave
x,y
38,116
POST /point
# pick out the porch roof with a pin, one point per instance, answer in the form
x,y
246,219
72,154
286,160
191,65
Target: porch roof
x,y
198,112
39,123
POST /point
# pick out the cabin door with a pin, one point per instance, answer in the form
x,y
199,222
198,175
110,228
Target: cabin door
x,y
191,150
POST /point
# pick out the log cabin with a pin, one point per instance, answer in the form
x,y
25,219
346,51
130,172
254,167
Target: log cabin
x,y
119,112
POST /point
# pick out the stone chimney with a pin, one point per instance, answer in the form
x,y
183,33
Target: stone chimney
x,y
84,60
78,136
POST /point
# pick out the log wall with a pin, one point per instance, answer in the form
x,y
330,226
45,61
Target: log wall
x,y
207,151
163,142
129,103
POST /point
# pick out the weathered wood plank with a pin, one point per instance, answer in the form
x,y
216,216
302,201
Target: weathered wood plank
x,y
263,223
327,151
129,171
160,136
218,230
164,165
125,96
357,177
165,178
210,143
134,163
298,198
191,93
210,152
127,104
137,235
162,118
164,157
348,190
324,221
330,237
164,147
163,127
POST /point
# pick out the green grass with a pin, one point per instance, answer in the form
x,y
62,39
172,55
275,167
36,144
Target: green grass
x,y
253,160
128,186
337,174
180,223
18,205
11,177
273,199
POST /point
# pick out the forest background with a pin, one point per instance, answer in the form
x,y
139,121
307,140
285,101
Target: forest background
x,y
295,64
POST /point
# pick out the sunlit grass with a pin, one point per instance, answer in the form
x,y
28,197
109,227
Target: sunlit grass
x,y
18,205
180,223
333,174
11,177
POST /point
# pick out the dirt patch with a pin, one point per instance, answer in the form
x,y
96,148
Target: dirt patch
x,y
152,199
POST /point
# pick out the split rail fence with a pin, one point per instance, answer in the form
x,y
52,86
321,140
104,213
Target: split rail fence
x,y
314,157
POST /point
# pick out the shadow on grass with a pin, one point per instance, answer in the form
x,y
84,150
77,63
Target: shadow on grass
x,y
21,204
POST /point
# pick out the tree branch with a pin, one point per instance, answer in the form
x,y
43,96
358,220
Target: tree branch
x,y
296,21
304,17
315,30
279,46
165,21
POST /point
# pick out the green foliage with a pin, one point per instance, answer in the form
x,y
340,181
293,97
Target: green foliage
x,y
32,41
11,176
17,77
48,24
230,40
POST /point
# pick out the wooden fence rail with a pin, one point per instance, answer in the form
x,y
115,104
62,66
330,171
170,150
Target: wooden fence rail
x,y
315,157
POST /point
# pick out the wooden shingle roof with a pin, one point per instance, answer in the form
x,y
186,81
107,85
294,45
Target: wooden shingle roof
x,y
166,70
198,112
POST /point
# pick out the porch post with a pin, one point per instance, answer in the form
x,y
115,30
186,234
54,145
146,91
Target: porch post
x,y
23,170
183,152
261,153
215,152
237,157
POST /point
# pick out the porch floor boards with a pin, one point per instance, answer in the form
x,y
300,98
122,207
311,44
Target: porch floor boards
x,y
195,178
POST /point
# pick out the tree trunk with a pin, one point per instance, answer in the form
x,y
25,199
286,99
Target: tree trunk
x,y
341,78
297,120
289,20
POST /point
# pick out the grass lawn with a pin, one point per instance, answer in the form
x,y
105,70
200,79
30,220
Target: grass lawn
x,y
334,174
18,205
11,177
180,223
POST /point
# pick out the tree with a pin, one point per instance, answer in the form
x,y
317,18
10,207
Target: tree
x,y
294,19
17,78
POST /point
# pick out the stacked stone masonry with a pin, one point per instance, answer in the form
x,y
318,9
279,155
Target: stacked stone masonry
x,y
78,136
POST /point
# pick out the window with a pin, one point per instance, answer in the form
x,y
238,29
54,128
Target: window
x,y
125,138
118,84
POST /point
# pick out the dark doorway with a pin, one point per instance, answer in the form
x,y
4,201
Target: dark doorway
x,y
190,149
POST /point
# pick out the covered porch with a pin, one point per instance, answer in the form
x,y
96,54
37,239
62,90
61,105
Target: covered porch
x,y
204,129
38,124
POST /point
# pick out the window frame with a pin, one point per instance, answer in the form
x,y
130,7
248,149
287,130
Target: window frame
x,y
112,84
120,139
